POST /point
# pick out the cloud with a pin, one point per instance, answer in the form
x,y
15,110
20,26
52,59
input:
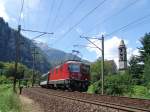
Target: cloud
x,y
5,4
22,15
3,12
131,52
111,49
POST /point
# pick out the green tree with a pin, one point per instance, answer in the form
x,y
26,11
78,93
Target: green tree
x,y
139,65
1,65
21,70
136,70
95,71
9,69
145,49
109,69
3,79
147,71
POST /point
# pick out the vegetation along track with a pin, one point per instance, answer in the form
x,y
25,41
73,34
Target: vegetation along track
x,y
102,103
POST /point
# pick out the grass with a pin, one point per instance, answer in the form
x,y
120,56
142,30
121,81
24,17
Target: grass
x,y
9,101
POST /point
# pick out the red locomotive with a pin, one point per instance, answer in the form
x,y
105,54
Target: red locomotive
x,y
72,75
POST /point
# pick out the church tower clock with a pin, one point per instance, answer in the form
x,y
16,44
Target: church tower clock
x,y
122,56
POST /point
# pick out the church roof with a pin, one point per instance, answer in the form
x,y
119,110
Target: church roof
x,y
122,43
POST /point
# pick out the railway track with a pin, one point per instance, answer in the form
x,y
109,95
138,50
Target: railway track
x,y
89,100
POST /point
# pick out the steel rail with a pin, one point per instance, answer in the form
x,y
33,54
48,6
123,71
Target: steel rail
x,y
98,95
96,102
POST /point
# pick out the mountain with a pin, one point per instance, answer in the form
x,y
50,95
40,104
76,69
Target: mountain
x,y
46,58
8,48
56,56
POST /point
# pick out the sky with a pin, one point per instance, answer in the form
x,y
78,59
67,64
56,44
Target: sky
x,y
69,19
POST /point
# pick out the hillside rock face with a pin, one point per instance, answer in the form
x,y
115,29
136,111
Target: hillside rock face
x,y
8,49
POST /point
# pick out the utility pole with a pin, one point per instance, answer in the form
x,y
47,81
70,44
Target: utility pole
x,y
34,53
102,60
17,57
33,65
102,64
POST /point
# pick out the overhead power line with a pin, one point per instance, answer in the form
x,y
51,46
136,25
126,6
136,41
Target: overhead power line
x,y
59,7
38,11
41,33
83,18
17,43
49,16
78,45
131,23
38,36
70,13
136,24
115,14
37,31
21,10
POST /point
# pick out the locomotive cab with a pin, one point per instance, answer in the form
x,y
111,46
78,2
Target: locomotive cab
x,y
79,75
74,71
79,71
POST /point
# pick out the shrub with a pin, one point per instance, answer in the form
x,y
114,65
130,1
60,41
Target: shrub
x,y
95,87
118,84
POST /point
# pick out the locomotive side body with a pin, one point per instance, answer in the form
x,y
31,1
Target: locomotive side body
x,y
59,75
72,75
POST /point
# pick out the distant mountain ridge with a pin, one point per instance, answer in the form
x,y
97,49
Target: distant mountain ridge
x,y
56,56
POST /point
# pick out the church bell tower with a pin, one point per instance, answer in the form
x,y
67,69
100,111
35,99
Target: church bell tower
x,y
122,56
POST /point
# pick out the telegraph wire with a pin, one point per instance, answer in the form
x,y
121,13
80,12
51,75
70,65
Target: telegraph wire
x,y
70,13
18,43
84,17
141,22
21,10
17,49
125,26
39,7
115,14
28,17
59,7
49,16
36,31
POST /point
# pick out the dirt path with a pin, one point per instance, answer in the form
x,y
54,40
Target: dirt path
x,y
28,105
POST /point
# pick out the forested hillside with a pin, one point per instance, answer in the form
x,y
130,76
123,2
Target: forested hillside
x,y
47,57
7,48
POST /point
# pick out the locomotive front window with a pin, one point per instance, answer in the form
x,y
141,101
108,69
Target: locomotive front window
x,y
74,68
85,68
